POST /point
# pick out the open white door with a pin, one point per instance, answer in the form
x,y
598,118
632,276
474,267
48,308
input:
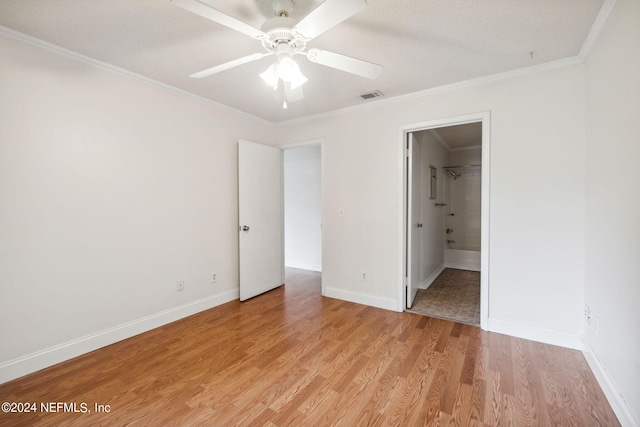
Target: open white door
x,y
261,218
413,217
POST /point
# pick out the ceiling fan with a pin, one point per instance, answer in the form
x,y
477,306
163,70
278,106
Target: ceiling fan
x,y
283,38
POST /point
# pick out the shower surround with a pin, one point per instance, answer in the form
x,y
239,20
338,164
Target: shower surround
x,y
462,233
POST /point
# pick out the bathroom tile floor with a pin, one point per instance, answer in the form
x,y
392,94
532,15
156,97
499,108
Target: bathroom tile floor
x,y
454,295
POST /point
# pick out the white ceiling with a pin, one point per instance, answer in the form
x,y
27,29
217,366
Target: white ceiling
x,y
459,136
422,44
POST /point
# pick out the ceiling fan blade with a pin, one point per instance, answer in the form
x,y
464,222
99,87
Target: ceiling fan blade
x,y
215,15
227,65
327,15
345,63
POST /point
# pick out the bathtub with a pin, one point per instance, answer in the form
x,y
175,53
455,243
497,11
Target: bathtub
x,y
462,258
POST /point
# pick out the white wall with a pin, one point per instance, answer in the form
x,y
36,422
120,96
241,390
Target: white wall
x,y
302,208
612,288
111,190
537,219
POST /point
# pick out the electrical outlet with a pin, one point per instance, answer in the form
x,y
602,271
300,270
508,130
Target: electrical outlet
x,y
214,276
363,276
180,285
587,314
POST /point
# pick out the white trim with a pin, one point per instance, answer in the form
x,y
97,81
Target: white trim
x,y
485,223
479,81
596,28
616,400
461,266
535,333
105,66
33,362
308,143
360,298
432,277
401,302
485,118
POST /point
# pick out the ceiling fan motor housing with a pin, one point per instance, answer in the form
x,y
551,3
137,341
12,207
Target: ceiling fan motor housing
x,y
282,7
279,32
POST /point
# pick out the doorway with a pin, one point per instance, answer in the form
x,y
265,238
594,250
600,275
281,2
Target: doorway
x,y
302,209
261,215
445,221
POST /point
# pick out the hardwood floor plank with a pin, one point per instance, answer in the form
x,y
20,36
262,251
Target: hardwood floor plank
x,y
291,357
467,374
417,385
431,406
456,354
528,407
502,361
498,405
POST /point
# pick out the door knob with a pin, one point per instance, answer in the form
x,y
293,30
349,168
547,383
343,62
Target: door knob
x,y
245,228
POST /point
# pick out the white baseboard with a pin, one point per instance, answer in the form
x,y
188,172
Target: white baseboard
x,y
361,298
461,266
577,342
535,333
33,362
305,266
433,276
617,402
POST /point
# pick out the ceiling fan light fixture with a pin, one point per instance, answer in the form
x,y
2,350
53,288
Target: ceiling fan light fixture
x,y
298,80
289,71
287,68
270,76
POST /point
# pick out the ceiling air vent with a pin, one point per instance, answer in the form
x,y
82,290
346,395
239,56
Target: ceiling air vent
x,y
370,95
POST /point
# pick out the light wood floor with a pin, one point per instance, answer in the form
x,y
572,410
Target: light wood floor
x,y
293,358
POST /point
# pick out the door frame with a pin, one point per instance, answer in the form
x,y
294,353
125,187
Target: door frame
x,y
308,143
485,118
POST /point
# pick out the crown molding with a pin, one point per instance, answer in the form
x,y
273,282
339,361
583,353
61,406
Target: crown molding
x,y
480,81
121,71
594,32
596,28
